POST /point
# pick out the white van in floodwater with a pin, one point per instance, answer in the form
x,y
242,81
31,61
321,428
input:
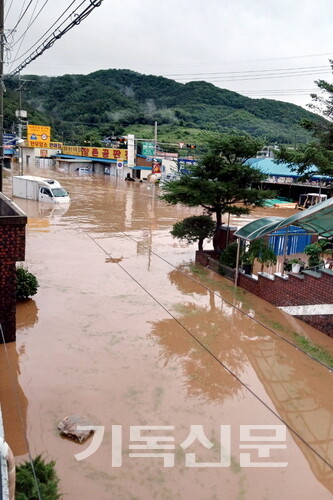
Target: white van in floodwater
x,y
40,189
309,199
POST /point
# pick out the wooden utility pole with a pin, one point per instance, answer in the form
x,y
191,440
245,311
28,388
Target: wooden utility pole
x,y
2,43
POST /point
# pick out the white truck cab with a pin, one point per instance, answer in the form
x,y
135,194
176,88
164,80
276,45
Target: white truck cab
x,y
40,189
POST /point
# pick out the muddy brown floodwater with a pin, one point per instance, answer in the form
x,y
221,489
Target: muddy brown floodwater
x,y
126,332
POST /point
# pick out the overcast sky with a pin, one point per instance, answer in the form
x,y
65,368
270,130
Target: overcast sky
x,y
260,48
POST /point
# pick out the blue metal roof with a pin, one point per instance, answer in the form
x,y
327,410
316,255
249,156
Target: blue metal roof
x,y
317,219
87,158
269,166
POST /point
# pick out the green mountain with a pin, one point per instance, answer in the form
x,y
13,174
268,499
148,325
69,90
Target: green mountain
x,y
114,102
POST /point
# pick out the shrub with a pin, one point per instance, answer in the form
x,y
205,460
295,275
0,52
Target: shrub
x,y
194,228
46,477
229,255
26,283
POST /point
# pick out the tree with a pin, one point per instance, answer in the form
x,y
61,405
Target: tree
x,y
317,156
221,179
26,283
195,228
46,476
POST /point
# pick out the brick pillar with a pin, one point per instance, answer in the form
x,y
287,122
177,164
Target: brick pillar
x,y
12,249
8,301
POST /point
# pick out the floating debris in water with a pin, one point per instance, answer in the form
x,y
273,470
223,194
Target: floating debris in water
x,y
70,427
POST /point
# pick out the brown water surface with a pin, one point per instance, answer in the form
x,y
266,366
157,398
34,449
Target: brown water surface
x,y
126,331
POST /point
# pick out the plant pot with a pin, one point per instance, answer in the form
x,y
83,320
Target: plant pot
x,y
295,268
247,268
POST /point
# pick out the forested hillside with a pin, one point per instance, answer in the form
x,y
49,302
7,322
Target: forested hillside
x,y
114,102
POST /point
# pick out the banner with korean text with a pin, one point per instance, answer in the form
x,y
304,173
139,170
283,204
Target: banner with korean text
x,y
103,153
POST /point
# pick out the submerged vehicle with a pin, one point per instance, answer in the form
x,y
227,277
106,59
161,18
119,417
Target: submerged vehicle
x,y
309,199
40,189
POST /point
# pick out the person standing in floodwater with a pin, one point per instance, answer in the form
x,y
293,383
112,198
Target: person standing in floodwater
x,y
129,178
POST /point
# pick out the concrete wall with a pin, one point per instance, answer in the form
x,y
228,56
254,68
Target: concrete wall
x,y
12,249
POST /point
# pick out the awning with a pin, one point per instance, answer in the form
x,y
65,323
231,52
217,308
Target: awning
x,y
317,220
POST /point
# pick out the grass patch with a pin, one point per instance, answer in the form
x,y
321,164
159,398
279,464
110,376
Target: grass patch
x,y
315,351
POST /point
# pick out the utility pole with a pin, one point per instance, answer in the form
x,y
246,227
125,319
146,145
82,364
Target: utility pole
x,y
155,138
2,43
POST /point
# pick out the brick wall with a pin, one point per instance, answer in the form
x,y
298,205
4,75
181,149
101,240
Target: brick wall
x,y
294,291
12,249
297,290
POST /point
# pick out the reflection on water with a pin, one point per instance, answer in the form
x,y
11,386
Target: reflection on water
x,y
100,346
14,403
304,402
26,314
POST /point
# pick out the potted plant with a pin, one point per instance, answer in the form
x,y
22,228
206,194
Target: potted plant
x,y
261,251
247,263
294,265
315,251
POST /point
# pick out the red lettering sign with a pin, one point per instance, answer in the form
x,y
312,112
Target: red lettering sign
x,y
116,153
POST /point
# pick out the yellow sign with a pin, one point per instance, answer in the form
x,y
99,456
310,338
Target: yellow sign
x,y
38,136
55,145
105,153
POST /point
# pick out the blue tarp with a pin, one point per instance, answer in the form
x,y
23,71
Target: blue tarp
x,y
297,240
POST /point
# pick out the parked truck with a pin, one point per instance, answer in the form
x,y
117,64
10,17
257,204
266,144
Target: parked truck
x,y
38,188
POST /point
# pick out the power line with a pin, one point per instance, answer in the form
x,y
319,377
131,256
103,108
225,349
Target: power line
x,y
9,9
58,33
22,16
238,78
242,61
223,365
49,29
251,71
22,37
31,22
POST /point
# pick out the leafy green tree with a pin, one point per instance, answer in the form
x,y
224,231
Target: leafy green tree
x,y
319,152
195,228
26,284
46,476
221,182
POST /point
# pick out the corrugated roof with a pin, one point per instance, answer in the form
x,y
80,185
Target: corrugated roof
x,y
269,166
317,220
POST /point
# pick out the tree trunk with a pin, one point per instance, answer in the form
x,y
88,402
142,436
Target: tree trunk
x,y
218,219
218,225
200,244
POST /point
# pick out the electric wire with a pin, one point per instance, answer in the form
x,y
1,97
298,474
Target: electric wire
x,y
22,37
257,77
260,71
241,61
57,34
49,29
243,384
22,16
234,306
31,22
239,309
11,376
8,10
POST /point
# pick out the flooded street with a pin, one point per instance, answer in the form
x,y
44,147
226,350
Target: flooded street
x,y
125,331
